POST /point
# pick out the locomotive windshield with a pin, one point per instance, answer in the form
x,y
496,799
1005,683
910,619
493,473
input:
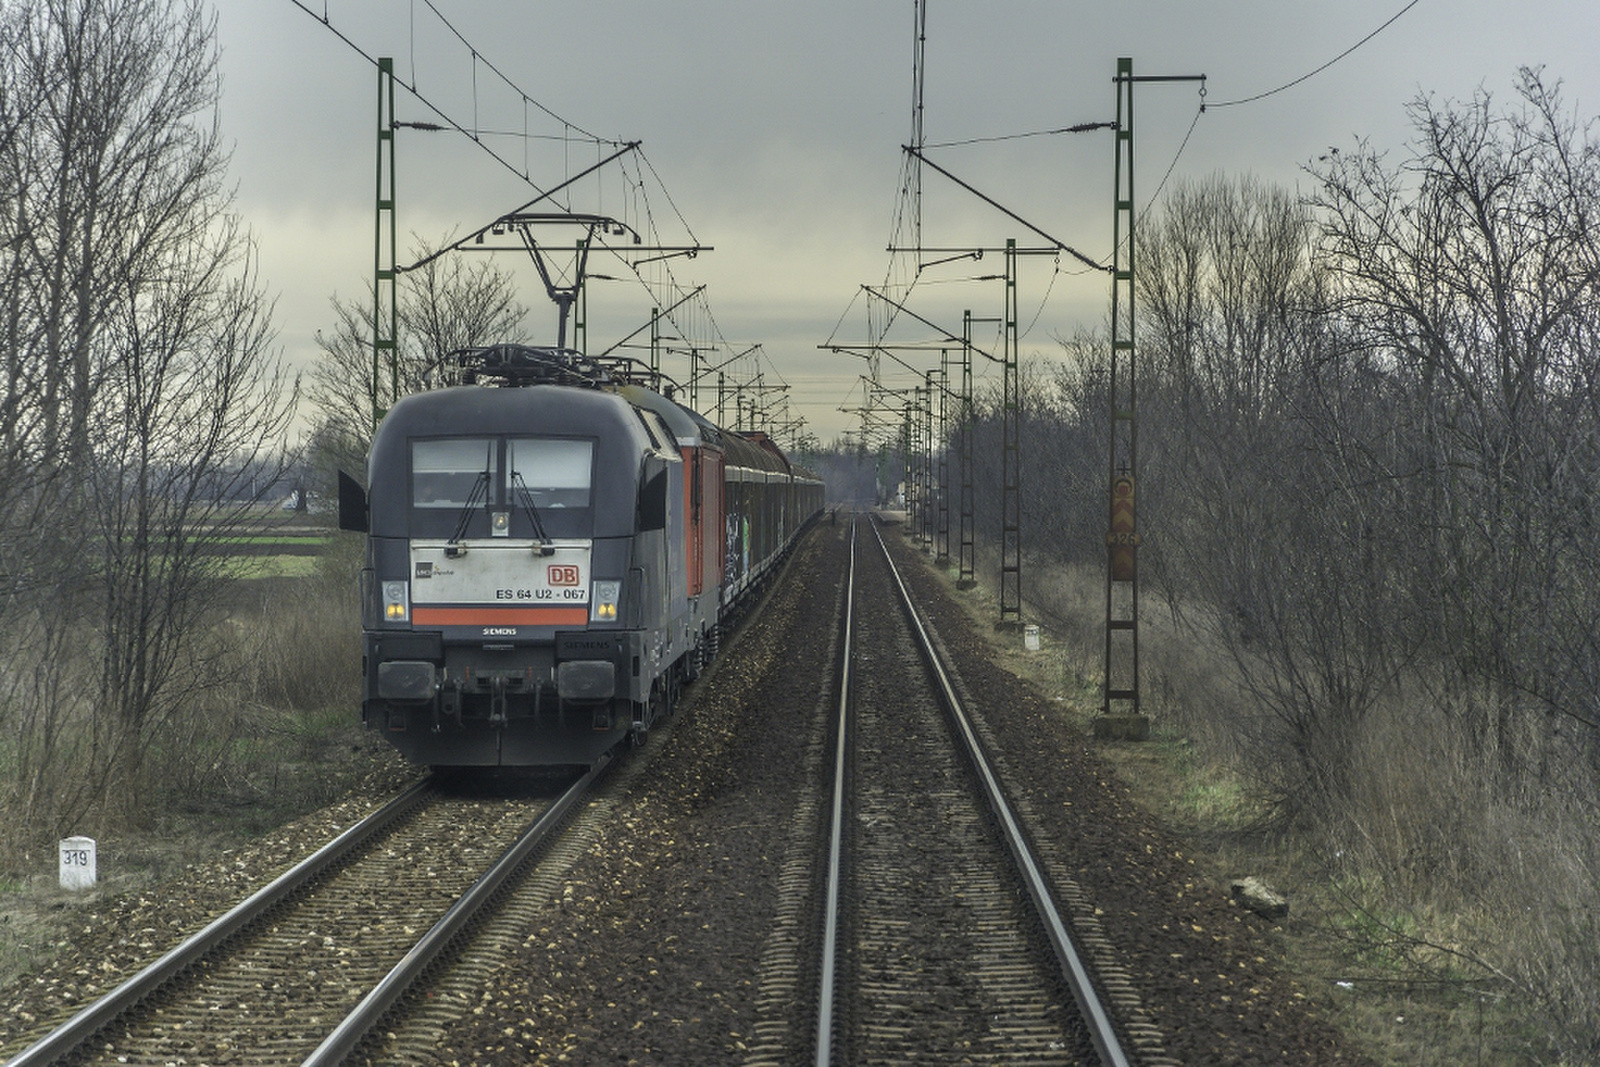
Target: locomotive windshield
x,y
555,471
444,474
545,483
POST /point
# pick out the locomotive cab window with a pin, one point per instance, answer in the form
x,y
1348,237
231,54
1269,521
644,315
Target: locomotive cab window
x,y
450,473
556,473
538,486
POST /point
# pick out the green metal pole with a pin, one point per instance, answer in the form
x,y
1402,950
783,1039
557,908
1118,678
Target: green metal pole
x,y
580,324
966,559
1122,575
1011,458
385,314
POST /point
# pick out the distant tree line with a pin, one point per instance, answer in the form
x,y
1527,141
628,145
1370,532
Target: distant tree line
x,y
856,475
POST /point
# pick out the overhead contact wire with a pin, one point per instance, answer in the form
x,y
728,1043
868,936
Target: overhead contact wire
x,y
647,218
1082,127
1290,85
1176,156
499,74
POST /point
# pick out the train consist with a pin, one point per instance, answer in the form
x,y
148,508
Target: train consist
x,y
551,553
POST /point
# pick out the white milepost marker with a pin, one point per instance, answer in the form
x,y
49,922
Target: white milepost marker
x,y
77,863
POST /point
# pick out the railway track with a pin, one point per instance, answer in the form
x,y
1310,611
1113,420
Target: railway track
x,y
680,921
303,970
693,933
941,940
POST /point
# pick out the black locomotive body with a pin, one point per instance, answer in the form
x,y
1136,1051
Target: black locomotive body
x,y
547,563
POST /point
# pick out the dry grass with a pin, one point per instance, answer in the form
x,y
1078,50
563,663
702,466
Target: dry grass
x,y
268,695
300,638
277,733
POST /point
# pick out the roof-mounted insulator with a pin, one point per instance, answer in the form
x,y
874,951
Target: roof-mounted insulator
x,y
521,365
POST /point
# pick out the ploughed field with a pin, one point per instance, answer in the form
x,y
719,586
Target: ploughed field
x,y
285,541
655,946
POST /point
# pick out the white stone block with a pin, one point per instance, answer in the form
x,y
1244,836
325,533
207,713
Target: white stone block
x,y
78,863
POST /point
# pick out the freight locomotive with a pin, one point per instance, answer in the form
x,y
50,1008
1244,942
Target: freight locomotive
x,y
552,550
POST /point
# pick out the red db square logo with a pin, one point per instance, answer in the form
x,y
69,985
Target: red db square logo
x,y
563,574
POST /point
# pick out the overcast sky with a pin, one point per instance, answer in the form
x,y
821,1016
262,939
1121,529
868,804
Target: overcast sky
x,y
775,129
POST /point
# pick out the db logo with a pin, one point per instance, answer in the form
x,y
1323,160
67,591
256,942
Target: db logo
x,y
563,574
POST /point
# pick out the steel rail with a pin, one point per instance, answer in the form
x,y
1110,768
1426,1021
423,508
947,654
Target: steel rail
x,y
1102,1030
344,1038
60,1042
830,934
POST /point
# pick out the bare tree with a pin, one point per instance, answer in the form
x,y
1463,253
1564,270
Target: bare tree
x,y
1473,273
139,379
206,407
444,305
1258,531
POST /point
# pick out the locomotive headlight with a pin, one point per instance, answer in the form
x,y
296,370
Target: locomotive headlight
x,y
500,523
604,605
396,604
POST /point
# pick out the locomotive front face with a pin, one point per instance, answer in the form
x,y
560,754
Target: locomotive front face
x,y
478,576
501,544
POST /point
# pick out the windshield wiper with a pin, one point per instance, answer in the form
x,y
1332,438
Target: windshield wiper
x,y
480,491
546,546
